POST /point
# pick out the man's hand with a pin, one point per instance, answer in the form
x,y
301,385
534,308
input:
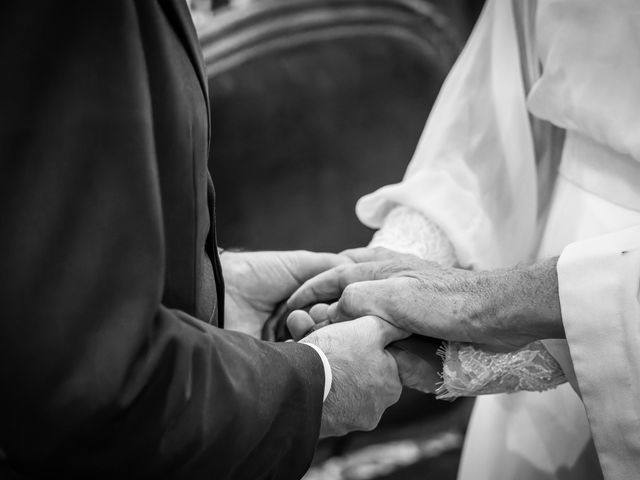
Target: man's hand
x,y
257,281
416,372
503,309
365,376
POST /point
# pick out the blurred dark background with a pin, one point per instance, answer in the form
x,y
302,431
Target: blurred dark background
x,y
314,104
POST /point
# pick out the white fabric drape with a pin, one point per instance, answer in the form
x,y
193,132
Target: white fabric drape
x,y
474,175
473,172
600,308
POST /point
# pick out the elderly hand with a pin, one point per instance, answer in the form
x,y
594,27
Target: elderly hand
x,y
255,282
416,372
365,376
502,309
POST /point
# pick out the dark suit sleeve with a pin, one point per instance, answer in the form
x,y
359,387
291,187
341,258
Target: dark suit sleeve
x,y
97,377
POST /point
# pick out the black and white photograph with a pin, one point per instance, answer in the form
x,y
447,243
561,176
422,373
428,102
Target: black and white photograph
x,y
320,239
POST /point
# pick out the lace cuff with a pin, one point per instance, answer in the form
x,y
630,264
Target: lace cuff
x,y
407,231
467,369
470,371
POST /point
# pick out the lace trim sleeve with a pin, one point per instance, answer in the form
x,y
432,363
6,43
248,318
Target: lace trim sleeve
x,y
470,371
407,231
467,369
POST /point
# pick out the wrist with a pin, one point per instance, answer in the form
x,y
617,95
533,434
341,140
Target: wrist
x,y
525,303
328,374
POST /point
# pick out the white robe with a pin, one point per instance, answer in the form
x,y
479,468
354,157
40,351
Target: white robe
x,y
474,174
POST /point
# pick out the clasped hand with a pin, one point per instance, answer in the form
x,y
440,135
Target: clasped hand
x,y
365,375
500,309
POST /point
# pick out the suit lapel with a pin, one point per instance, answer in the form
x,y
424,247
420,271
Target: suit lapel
x,y
180,19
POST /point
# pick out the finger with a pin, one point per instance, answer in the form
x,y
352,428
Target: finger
x,y
272,329
299,323
365,298
336,313
304,265
369,254
384,333
330,284
319,312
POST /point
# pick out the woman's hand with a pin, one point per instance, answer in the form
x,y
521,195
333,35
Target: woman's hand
x,y
502,309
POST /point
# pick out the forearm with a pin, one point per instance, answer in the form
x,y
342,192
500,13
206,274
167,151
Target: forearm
x,y
190,403
520,302
524,298
103,381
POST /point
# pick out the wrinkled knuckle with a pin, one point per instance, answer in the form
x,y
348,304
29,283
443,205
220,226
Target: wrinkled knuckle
x,y
385,270
422,282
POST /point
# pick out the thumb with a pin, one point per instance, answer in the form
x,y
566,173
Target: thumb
x,y
385,333
299,324
373,297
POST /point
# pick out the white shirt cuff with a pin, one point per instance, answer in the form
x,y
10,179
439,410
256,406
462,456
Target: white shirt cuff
x,y
328,376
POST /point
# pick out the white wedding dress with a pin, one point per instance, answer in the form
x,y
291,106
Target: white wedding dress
x,y
484,190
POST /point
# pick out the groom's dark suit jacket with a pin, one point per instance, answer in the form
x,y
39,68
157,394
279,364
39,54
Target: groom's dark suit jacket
x,y
111,363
